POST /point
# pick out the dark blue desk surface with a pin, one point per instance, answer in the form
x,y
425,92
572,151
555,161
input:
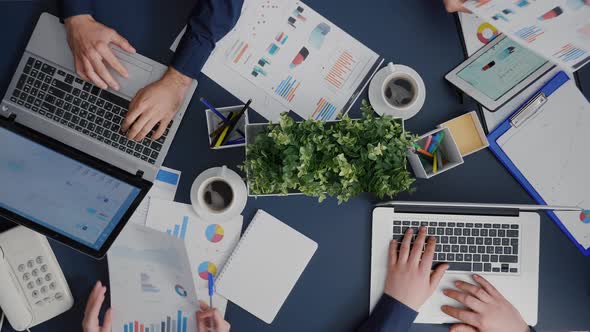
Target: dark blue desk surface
x,y
333,293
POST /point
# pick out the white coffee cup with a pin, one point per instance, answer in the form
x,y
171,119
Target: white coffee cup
x,y
218,194
397,90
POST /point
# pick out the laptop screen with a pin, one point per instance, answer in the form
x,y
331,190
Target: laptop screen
x,y
60,193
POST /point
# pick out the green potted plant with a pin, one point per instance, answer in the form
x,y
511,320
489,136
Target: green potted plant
x,y
341,158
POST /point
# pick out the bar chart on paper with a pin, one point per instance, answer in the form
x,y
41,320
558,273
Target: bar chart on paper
x,y
340,70
287,88
324,110
177,323
179,230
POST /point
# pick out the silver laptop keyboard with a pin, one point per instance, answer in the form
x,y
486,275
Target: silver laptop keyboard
x,y
68,100
471,247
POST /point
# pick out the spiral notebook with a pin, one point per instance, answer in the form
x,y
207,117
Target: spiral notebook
x,y
265,265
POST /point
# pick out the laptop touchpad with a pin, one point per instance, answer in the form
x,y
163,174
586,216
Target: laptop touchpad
x,y
139,73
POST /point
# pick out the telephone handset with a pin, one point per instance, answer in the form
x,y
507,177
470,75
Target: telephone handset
x,y
33,288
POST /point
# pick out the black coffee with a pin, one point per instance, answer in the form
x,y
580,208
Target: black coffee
x,y
218,195
400,92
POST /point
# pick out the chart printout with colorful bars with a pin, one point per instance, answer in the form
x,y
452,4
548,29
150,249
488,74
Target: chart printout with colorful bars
x,y
286,57
151,282
208,243
558,30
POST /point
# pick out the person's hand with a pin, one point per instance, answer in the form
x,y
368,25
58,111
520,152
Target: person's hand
x,y
91,322
89,41
409,277
455,6
155,104
487,310
208,316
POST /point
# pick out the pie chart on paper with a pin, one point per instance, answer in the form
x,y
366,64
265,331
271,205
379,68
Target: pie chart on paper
x,y
214,233
486,32
205,268
585,216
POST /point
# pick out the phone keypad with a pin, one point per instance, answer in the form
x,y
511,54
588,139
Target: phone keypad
x,y
41,287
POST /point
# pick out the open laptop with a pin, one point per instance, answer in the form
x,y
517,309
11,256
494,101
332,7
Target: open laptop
x,y
501,243
65,168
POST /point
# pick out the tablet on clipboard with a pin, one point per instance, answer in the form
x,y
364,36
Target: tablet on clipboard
x,y
498,72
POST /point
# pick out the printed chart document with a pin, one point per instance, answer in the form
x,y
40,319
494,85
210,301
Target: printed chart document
x,y
285,56
164,187
208,244
563,179
559,30
476,32
151,282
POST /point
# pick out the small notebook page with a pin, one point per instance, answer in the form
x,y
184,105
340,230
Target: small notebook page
x,y
264,267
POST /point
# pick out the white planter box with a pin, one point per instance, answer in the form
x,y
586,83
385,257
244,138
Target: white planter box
x,y
254,129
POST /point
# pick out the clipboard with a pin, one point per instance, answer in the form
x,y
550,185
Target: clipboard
x,y
528,111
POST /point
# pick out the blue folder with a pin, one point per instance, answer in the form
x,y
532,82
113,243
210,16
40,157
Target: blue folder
x,y
547,90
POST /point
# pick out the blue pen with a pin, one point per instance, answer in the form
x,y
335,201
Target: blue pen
x,y
206,103
211,291
236,141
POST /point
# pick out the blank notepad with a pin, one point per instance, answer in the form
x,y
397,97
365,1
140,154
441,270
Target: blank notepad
x,y
264,267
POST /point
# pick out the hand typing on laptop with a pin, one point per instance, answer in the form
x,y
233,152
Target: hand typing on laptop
x,y
410,283
410,280
487,310
155,104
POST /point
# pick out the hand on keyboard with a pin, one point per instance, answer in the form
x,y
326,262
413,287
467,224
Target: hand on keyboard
x,y
89,42
488,310
156,104
91,322
409,277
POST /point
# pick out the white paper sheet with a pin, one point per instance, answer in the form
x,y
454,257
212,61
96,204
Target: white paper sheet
x,y
209,244
164,187
559,30
477,33
151,282
285,56
550,149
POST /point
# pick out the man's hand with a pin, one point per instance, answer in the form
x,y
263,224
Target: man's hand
x,y
91,322
409,279
209,319
89,41
455,6
155,104
488,310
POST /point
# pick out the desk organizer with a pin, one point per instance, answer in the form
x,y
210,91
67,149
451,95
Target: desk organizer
x,y
448,149
468,133
214,122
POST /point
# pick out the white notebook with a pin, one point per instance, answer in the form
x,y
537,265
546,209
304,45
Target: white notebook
x,y
265,265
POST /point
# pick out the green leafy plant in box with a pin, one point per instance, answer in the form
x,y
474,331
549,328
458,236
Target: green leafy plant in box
x,y
342,158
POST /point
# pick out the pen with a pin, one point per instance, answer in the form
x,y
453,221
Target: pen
x,y
235,141
223,136
206,103
211,291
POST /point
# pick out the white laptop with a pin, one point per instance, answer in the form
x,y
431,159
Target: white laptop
x,y
499,243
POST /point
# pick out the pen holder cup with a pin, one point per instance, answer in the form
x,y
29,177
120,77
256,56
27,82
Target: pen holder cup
x,y
423,165
214,122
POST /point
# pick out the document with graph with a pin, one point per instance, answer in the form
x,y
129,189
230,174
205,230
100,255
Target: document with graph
x,y
285,56
208,243
559,30
151,282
